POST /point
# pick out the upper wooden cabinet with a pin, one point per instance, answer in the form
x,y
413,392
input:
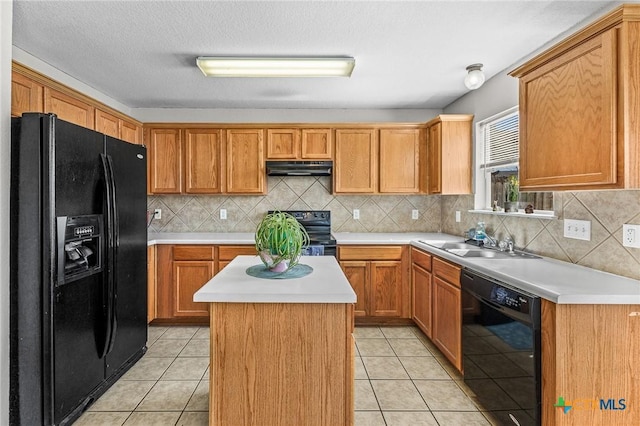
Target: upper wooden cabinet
x,y
579,109
299,144
202,160
245,161
399,160
165,161
68,108
26,95
356,167
116,127
449,148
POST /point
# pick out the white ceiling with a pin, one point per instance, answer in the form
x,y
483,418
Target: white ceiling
x,y
409,54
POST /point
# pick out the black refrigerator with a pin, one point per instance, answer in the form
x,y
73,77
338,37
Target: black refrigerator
x,y
78,315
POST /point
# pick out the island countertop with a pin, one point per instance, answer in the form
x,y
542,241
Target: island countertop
x,y
325,284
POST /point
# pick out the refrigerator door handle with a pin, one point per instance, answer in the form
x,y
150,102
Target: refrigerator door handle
x,y
110,254
115,232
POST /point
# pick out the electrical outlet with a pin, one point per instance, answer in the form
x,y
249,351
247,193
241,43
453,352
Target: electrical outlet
x,y
415,214
356,214
157,214
223,214
577,229
631,235
457,216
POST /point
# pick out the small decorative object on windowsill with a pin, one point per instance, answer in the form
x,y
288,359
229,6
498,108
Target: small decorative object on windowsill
x,y
280,240
494,207
513,193
529,209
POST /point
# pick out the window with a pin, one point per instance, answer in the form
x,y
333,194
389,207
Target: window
x,y
497,152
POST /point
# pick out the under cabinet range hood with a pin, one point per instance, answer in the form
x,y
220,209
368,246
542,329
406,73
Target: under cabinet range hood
x,y
299,168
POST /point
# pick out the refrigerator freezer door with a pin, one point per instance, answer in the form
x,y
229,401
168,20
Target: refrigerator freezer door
x,y
129,163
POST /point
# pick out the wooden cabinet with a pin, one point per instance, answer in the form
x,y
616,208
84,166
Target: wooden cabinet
x,y
449,146
227,253
26,95
181,271
590,352
151,283
299,144
116,127
379,277
579,107
203,148
68,108
245,161
399,160
356,166
165,161
421,300
447,315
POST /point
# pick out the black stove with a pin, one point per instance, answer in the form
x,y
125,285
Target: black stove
x,y
317,223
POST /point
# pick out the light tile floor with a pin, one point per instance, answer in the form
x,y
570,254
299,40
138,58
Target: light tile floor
x,y
401,379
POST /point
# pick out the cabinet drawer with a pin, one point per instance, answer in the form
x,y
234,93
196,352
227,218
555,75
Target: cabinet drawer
x,y
230,252
447,271
421,258
193,253
370,253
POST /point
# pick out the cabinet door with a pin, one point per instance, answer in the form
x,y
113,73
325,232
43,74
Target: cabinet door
x,y
151,283
316,144
188,277
107,124
245,161
165,155
68,108
26,95
568,116
386,292
357,273
356,167
447,323
399,160
202,160
283,144
130,132
434,156
421,298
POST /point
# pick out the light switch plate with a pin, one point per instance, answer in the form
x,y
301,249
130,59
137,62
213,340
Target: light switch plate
x,y
457,216
223,214
577,229
631,235
356,214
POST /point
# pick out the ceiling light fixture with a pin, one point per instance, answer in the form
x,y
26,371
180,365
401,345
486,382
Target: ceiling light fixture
x,y
475,77
277,66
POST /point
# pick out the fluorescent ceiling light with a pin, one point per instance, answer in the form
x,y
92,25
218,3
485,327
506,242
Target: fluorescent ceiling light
x,y
229,66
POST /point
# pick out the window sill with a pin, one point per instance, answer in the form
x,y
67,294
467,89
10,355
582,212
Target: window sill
x,y
547,215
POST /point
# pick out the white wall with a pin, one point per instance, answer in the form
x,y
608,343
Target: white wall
x,y
6,15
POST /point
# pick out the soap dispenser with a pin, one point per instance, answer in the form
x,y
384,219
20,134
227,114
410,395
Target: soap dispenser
x,y
481,233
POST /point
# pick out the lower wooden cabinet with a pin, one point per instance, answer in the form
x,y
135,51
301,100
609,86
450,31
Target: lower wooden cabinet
x,y
380,277
447,315
180,271
151,283
421,298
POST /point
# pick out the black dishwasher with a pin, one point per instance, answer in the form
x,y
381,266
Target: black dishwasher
x,y
501,349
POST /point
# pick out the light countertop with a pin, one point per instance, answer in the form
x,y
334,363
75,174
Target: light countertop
x,y
326,284
554,280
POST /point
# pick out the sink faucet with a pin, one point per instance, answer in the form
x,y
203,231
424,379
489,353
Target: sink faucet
x,y
509,242
490,241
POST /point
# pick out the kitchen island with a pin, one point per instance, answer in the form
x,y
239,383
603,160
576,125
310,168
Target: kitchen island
x,y
282,350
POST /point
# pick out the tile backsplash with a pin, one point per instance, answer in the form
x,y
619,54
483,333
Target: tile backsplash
x,y
607,211
378,213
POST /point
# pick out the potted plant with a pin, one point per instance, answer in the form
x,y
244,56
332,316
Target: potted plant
x,y
512,187
279,241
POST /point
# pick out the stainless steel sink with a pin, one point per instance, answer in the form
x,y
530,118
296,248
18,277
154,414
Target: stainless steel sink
x,y
469,250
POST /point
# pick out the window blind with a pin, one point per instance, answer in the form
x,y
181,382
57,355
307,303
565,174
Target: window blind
x,y
501,141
